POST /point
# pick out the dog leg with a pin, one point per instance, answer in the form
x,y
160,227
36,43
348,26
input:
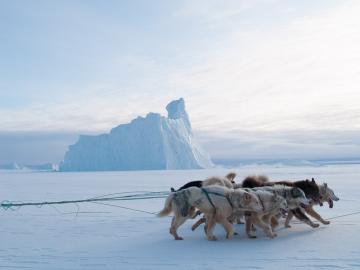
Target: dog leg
x,y
274,222
227,226
314,214
288,218
298,213
266,227
248,225
198,223
267,220
176,222
209,228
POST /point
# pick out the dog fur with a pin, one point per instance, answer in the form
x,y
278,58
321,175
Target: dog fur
x,y
272,205
310,189
326,195
184,202
227,181
294,197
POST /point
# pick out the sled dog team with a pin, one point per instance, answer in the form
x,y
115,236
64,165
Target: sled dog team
x,y
257,200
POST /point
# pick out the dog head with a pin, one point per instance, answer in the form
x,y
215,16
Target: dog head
x,y
247,201
298,198
310,188
327,195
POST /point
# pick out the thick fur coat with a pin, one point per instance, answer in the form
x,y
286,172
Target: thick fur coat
x,y
310,188
216,202
326,195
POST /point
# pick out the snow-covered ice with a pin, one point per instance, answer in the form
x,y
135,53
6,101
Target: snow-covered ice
x,y
107,237
151,143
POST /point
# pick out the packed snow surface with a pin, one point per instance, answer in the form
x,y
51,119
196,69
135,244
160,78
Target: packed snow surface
x,y
151,143
94,236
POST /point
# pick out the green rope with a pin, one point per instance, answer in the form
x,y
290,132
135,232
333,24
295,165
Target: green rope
x,y
208,197
12,205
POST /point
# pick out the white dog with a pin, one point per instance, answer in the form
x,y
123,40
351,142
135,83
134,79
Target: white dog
x,y
272,205
294,197
217,203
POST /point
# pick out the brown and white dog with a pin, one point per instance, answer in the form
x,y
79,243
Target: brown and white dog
x,y
216,202
326,195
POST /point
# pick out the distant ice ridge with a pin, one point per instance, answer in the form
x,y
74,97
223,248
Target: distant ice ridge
x,y
151,143
38,167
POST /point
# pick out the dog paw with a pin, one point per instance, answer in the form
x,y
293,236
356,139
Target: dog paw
x,y
179,238
235,233
273,235
315,225
287,226
212,238
251,236
229,235
326,222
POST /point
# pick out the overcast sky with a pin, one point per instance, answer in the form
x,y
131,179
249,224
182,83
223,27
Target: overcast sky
x,y
260,78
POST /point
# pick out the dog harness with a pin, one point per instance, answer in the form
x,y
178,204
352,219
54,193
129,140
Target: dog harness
x,y
218,194
262,203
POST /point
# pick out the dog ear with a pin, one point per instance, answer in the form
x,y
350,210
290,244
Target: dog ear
x,y
325,185
313,180
307,181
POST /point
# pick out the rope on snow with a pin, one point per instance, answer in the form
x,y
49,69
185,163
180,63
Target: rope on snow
x,y
105,199
125,196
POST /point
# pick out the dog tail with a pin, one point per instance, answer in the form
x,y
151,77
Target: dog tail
x,y
168,206
231,176
255,181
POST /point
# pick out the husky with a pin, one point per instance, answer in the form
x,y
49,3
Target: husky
x,y
275,200
310,188
216,202
326,195
295,198
227,181
272,205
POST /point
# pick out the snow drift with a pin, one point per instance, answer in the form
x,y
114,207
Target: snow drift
x,y
151,143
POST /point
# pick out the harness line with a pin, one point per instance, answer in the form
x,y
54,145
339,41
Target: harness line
x,y
10,205
218,194
6,205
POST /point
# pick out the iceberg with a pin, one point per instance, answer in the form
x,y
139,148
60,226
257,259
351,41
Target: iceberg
x,y
153,142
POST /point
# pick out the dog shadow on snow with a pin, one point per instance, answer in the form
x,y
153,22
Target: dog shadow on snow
x,y
283,235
